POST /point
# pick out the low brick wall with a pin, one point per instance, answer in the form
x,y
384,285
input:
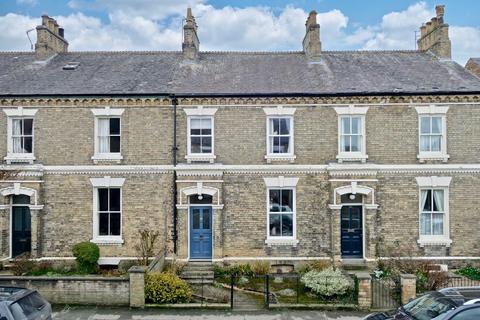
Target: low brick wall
x,y
76,290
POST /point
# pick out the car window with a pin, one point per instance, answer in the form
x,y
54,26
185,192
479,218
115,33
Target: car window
x,y
428,307
469,314
27,306
17,311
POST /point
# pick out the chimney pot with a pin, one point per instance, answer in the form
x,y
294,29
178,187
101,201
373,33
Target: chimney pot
x,y
191,44
440,10
434,35
50,39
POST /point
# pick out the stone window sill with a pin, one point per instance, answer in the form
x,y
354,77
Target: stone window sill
x,y
200,158
352,157
276,157
108,241
281,242
434,241
422,157
107,157
19,158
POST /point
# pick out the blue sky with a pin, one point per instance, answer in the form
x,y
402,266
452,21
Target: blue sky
x,y
240,24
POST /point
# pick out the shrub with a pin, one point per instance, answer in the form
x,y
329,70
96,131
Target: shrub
x,y
23,265
166,287
240,270
261,267
147,239
327,283
470,272
86,254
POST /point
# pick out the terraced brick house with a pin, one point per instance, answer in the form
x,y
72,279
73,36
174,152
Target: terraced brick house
x,y
241,156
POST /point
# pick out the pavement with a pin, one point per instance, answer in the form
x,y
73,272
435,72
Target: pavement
x,y
100,313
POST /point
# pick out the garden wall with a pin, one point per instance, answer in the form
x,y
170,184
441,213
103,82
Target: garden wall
x,y
76,290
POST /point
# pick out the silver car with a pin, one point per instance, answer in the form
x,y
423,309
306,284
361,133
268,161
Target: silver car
x,y
23,304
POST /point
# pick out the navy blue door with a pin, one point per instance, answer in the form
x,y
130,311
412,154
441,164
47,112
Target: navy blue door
x,y
21,231
352,232
200,232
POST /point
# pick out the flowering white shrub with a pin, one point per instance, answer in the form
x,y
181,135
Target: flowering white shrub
x,y
328,282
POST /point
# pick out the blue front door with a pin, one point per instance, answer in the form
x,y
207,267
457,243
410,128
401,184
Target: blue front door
x,y
200,232
352,232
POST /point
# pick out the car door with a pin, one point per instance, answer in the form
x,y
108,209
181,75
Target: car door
x,y
471,312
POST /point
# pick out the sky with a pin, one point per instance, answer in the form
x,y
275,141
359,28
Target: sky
x,y
240,25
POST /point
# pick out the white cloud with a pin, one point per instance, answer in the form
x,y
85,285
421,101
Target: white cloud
x,y
397,29
157,25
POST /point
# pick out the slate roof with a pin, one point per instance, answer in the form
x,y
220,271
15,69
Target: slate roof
x,y
234,73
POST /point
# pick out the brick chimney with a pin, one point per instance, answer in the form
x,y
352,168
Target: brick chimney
x,y
190,45
434,35
473,65
311,42
50,39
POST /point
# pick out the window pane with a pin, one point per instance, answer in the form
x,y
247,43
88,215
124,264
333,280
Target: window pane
x,y
103,224
356,125
346,144
287,225
115,199
425,143
284,145
287,200
206,145
206,126
115,223
355,147
115,144
275,225
17,145
425,124
114,125
436,143
103,199
346,125
438,200
27,126
27,145
284,126
17,127
436,125
276,145
274,126
428,200
345,222
437,223
21,199
196,219
425,224
103,127
103,144
206,219
195,145
274,200
195,126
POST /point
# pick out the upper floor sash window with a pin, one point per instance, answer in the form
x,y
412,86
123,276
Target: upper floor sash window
x,y
200,134
432,129
351,133
21,137
280,135
107,135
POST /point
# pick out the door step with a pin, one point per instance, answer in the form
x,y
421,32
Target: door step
x,y
354,264
198,273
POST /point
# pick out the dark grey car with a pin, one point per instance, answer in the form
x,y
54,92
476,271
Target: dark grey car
x,y
445,304
23,304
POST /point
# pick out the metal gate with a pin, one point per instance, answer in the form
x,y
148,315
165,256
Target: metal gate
x,y
385,294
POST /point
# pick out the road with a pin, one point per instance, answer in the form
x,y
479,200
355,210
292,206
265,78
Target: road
x,y
98,313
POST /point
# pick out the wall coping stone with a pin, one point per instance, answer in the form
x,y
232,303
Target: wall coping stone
x,y
65,278
137,269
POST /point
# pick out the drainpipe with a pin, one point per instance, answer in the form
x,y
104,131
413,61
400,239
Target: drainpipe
x,y
174,162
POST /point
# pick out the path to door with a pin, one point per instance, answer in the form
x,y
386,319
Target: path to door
x,y
70,313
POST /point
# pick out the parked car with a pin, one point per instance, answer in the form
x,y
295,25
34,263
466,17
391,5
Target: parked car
x,y
23,304
445,304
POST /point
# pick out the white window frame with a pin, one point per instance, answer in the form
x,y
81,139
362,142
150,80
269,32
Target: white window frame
x,y
282,183
200,113
106,113
101,183
19,113
358,112
279,112
434,183
433,111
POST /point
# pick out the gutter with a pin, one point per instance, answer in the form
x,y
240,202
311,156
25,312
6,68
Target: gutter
x,y
248,95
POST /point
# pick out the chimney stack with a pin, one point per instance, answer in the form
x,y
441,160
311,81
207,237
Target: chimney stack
x,y
50,39
434,35
191,44
311,42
